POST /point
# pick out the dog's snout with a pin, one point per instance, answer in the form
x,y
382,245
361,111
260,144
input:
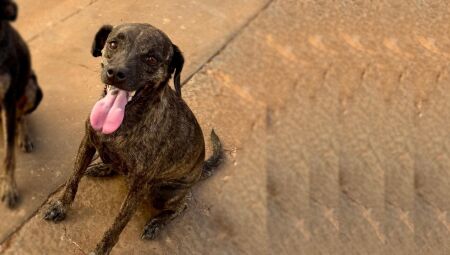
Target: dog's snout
x,y
116,74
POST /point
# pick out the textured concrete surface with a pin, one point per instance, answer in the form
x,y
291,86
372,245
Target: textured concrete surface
x,y
335,116
60,34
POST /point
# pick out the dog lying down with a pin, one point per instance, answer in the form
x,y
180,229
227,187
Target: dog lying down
x,y
141,129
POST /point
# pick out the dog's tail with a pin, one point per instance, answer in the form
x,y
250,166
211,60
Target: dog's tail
x,y
216,158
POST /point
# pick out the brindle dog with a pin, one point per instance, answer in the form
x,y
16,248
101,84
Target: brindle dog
x,y
159,146
19,95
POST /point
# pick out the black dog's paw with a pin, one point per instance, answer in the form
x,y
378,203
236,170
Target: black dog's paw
x,y
100,170
8,194
152,229
26,145
55,212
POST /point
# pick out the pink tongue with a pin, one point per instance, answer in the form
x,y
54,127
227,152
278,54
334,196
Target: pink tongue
x,y
107,114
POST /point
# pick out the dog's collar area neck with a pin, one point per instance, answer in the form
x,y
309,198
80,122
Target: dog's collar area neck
x,y
153,88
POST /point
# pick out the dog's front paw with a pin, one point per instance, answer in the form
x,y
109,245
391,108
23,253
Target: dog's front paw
x,y
55,212
26,145
152,229
9,194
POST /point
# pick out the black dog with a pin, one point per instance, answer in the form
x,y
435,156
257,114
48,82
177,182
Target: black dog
x,y
142,129
19,95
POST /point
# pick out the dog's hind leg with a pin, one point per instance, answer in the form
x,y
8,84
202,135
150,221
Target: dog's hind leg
x,y
170,203
24,140
128,208
100,169
8,187
57,209
29,101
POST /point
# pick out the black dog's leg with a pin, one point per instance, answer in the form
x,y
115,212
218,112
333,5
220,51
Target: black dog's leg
x,y
24,140
127,210
8,188
57,209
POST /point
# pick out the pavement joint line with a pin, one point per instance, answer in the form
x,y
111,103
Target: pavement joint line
x,y
18,228
70,15
186,80
78,11
235,35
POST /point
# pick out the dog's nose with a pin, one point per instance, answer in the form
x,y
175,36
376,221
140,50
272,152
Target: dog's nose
x,y
116,73
121,76
110,73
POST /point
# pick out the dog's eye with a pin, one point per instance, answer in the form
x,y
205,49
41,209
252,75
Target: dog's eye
x,y
113,45
151,60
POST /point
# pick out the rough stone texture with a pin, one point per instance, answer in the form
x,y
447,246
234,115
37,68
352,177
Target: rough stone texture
x,y
335,116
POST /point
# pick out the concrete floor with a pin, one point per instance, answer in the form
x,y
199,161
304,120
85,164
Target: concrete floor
x,y
335,116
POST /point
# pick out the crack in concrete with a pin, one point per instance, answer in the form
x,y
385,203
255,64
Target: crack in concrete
x,y
72,241
9,237
70,15
232,37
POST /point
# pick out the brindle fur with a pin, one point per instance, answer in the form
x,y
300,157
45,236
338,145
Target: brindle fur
x,y
19,95
159,147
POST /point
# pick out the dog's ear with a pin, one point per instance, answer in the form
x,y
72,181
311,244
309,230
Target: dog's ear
x,y
100,40
8,11
176,65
